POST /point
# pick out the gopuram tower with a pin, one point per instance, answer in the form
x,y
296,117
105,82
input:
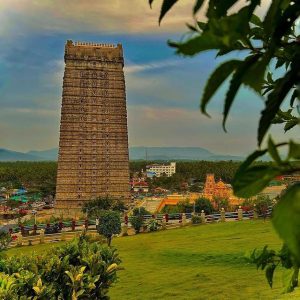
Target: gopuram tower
x,y
93,146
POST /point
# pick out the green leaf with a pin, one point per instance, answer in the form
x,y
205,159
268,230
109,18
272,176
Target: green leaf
x,y
294,150
273,151
256,20
276,97
286,20
258,68
191,27
166,6
272,17
290,279
223,33
280,62
201,25
236,82
290,124
269,77
253,180
286,115
216,79
286,219
249,160
277,120
205,41
197,6
269,273
293,97
218,8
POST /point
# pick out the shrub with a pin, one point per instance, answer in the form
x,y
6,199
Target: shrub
x,y
76,270
153,225
204,204
137,222
196,220
5,239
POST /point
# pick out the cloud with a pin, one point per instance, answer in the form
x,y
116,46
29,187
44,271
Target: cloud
x,y
104,16
108,16
136,68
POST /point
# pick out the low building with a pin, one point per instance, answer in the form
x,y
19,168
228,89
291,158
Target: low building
x,y
158,170
139,186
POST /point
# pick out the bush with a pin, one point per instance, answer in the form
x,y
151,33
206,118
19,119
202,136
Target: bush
x,y
153,225
204,204
196,220
76,270
5,239
137,222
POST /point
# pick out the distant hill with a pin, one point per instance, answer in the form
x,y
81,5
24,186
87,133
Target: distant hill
x,y
177,153
50,154
8,155
135,153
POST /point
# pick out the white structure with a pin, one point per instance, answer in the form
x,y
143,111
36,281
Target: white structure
x,y
160,169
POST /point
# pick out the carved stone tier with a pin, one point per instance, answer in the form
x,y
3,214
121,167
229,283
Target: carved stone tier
x,y
93,147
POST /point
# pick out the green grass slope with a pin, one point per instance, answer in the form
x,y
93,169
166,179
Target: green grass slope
x,y
200,262
195,262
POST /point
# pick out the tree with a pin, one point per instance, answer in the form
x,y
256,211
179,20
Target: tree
x,y
109,224
94,207
204,204
271,49
262,203
140,211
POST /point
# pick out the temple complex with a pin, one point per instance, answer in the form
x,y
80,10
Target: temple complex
x,y
216,189
213,190
93,148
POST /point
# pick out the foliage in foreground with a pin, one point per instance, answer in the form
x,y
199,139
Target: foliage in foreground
x,y
76,270
270,67
269,260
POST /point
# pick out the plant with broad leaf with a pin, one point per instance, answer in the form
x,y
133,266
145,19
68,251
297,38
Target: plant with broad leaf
x,y
77,270
271,64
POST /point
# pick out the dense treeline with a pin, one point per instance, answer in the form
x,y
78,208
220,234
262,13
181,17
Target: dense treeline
x,y
35,176
41,176
196,169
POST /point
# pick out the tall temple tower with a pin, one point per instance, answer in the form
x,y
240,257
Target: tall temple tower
x,y
93,147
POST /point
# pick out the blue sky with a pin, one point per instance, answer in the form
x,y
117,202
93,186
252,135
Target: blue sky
x,y
163,90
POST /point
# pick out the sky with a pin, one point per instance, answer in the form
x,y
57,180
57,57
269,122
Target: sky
x,y
163,89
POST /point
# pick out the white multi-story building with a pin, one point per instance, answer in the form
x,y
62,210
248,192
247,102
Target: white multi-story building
x,y
160,169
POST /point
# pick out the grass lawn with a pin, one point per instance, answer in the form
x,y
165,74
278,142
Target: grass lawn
x,y
199,262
